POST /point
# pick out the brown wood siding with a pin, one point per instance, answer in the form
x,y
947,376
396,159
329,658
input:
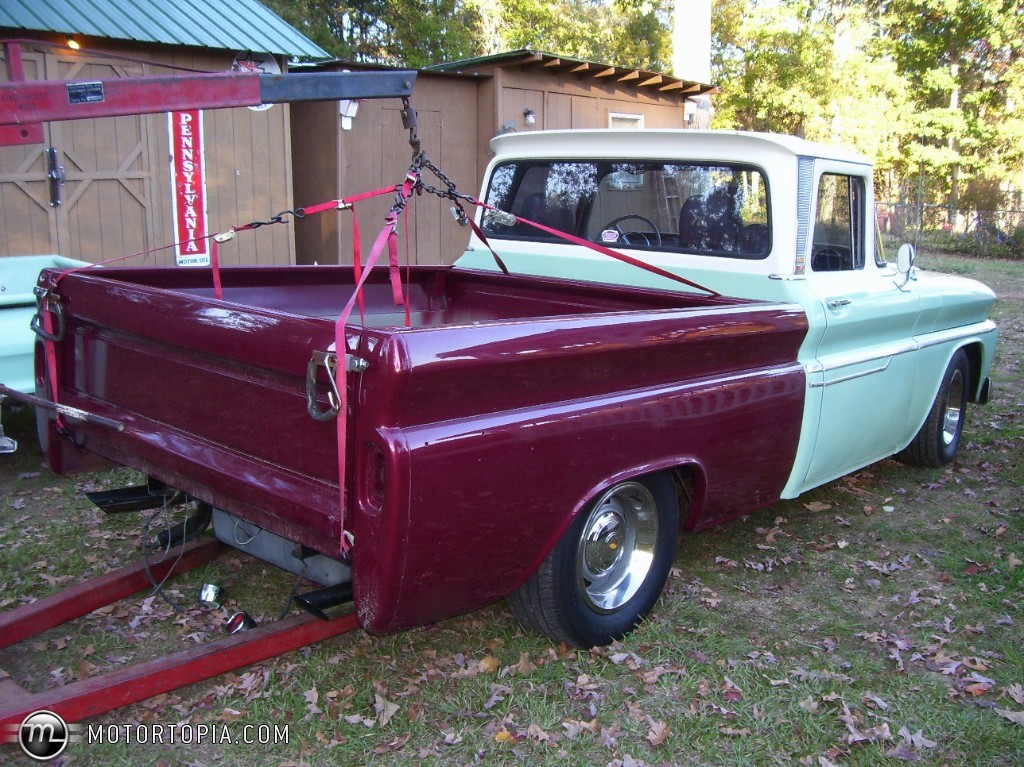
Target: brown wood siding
x,y
248,172
580,101
376,153
315,169
117,196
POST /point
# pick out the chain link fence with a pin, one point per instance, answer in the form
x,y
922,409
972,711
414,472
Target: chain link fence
x,y
995,233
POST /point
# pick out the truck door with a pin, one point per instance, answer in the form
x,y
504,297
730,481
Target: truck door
x,y
866,355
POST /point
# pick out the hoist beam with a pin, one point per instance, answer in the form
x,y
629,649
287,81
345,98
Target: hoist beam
x,y
26,104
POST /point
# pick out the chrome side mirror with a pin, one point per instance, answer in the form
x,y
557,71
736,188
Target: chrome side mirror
x,y
905,258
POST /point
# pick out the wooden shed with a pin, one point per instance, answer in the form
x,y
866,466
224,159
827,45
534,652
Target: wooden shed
x,y
461,106
116,194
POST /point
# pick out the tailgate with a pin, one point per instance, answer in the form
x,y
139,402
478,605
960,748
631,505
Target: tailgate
x,y
193,380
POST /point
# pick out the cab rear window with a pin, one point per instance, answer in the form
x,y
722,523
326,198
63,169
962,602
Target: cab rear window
x,y
710,209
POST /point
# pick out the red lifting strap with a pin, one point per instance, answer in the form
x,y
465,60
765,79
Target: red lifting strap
x,y
386,239
647,267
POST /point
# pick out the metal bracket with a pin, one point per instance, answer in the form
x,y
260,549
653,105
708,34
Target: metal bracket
x,y
48,301
329,361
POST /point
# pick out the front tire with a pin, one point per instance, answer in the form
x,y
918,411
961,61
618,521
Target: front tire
x,y
937,442
607,571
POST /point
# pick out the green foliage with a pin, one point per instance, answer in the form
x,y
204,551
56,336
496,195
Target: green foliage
x,y
413,33
930,89
769,60
423,32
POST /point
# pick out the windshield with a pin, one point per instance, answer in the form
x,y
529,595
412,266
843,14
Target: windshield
x,y
710,209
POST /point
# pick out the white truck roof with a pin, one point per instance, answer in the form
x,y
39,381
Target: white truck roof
x,y
676,144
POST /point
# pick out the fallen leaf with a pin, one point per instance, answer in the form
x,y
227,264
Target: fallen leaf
x,y
525,665
537,733
574,727
978,688
489,664
904,753
817,506
657,733
1015,691
391,746
1017,717
917,739
873,701
733,731
498,693
385,709
504,736
312,697
731,691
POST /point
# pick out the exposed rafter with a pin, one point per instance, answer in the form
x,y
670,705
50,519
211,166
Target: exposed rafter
x,y
626,76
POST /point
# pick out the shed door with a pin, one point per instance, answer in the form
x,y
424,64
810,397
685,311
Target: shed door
x,y
103,209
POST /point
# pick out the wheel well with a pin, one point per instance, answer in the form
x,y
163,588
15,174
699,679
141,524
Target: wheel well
x,y
973,352
690,489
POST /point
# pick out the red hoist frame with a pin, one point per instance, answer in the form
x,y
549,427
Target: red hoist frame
x,y
24,106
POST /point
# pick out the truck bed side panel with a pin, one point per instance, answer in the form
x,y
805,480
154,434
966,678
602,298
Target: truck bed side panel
x,y
493,442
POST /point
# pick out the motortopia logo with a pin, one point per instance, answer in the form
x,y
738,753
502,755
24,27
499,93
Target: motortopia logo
x,y
185,733
44,735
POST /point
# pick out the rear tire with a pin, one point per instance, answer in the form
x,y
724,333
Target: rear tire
x,y
937,441
607,571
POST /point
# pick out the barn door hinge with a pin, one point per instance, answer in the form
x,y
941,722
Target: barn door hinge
x,y
56,175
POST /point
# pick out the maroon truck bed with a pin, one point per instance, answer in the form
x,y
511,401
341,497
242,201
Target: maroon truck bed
x,y
474,435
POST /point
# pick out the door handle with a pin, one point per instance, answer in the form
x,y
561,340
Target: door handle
x,y
837,303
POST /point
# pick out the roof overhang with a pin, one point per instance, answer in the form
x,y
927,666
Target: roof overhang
x,y
641,80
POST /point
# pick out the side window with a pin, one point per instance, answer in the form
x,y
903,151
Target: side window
x,y
839,224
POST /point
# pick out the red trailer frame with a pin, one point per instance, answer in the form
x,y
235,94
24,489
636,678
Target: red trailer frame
x,y
131,684
24,106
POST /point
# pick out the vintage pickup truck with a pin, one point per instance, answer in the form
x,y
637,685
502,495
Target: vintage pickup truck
x,y
542,434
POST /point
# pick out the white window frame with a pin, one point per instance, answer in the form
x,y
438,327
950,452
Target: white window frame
x,y
637,120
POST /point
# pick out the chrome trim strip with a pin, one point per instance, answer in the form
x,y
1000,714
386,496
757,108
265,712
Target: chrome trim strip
x,y
805,184
852,376
905,347
956,334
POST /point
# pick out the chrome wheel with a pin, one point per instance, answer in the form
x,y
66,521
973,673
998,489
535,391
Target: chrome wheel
x,y
616,549
954,408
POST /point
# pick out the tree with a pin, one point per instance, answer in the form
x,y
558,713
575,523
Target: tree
x,y
413,33
962,59
773,63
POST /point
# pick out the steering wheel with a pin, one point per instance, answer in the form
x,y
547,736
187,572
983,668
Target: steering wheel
x,y
614,224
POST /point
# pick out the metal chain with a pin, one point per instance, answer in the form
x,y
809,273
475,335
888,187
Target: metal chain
x,y
298,213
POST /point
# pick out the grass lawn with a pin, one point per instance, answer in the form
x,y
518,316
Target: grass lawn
x,y
875,621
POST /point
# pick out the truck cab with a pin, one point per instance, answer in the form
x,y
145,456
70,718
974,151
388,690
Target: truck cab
x,y
757,216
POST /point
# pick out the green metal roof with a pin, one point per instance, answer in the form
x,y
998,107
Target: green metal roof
x,y
238,25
